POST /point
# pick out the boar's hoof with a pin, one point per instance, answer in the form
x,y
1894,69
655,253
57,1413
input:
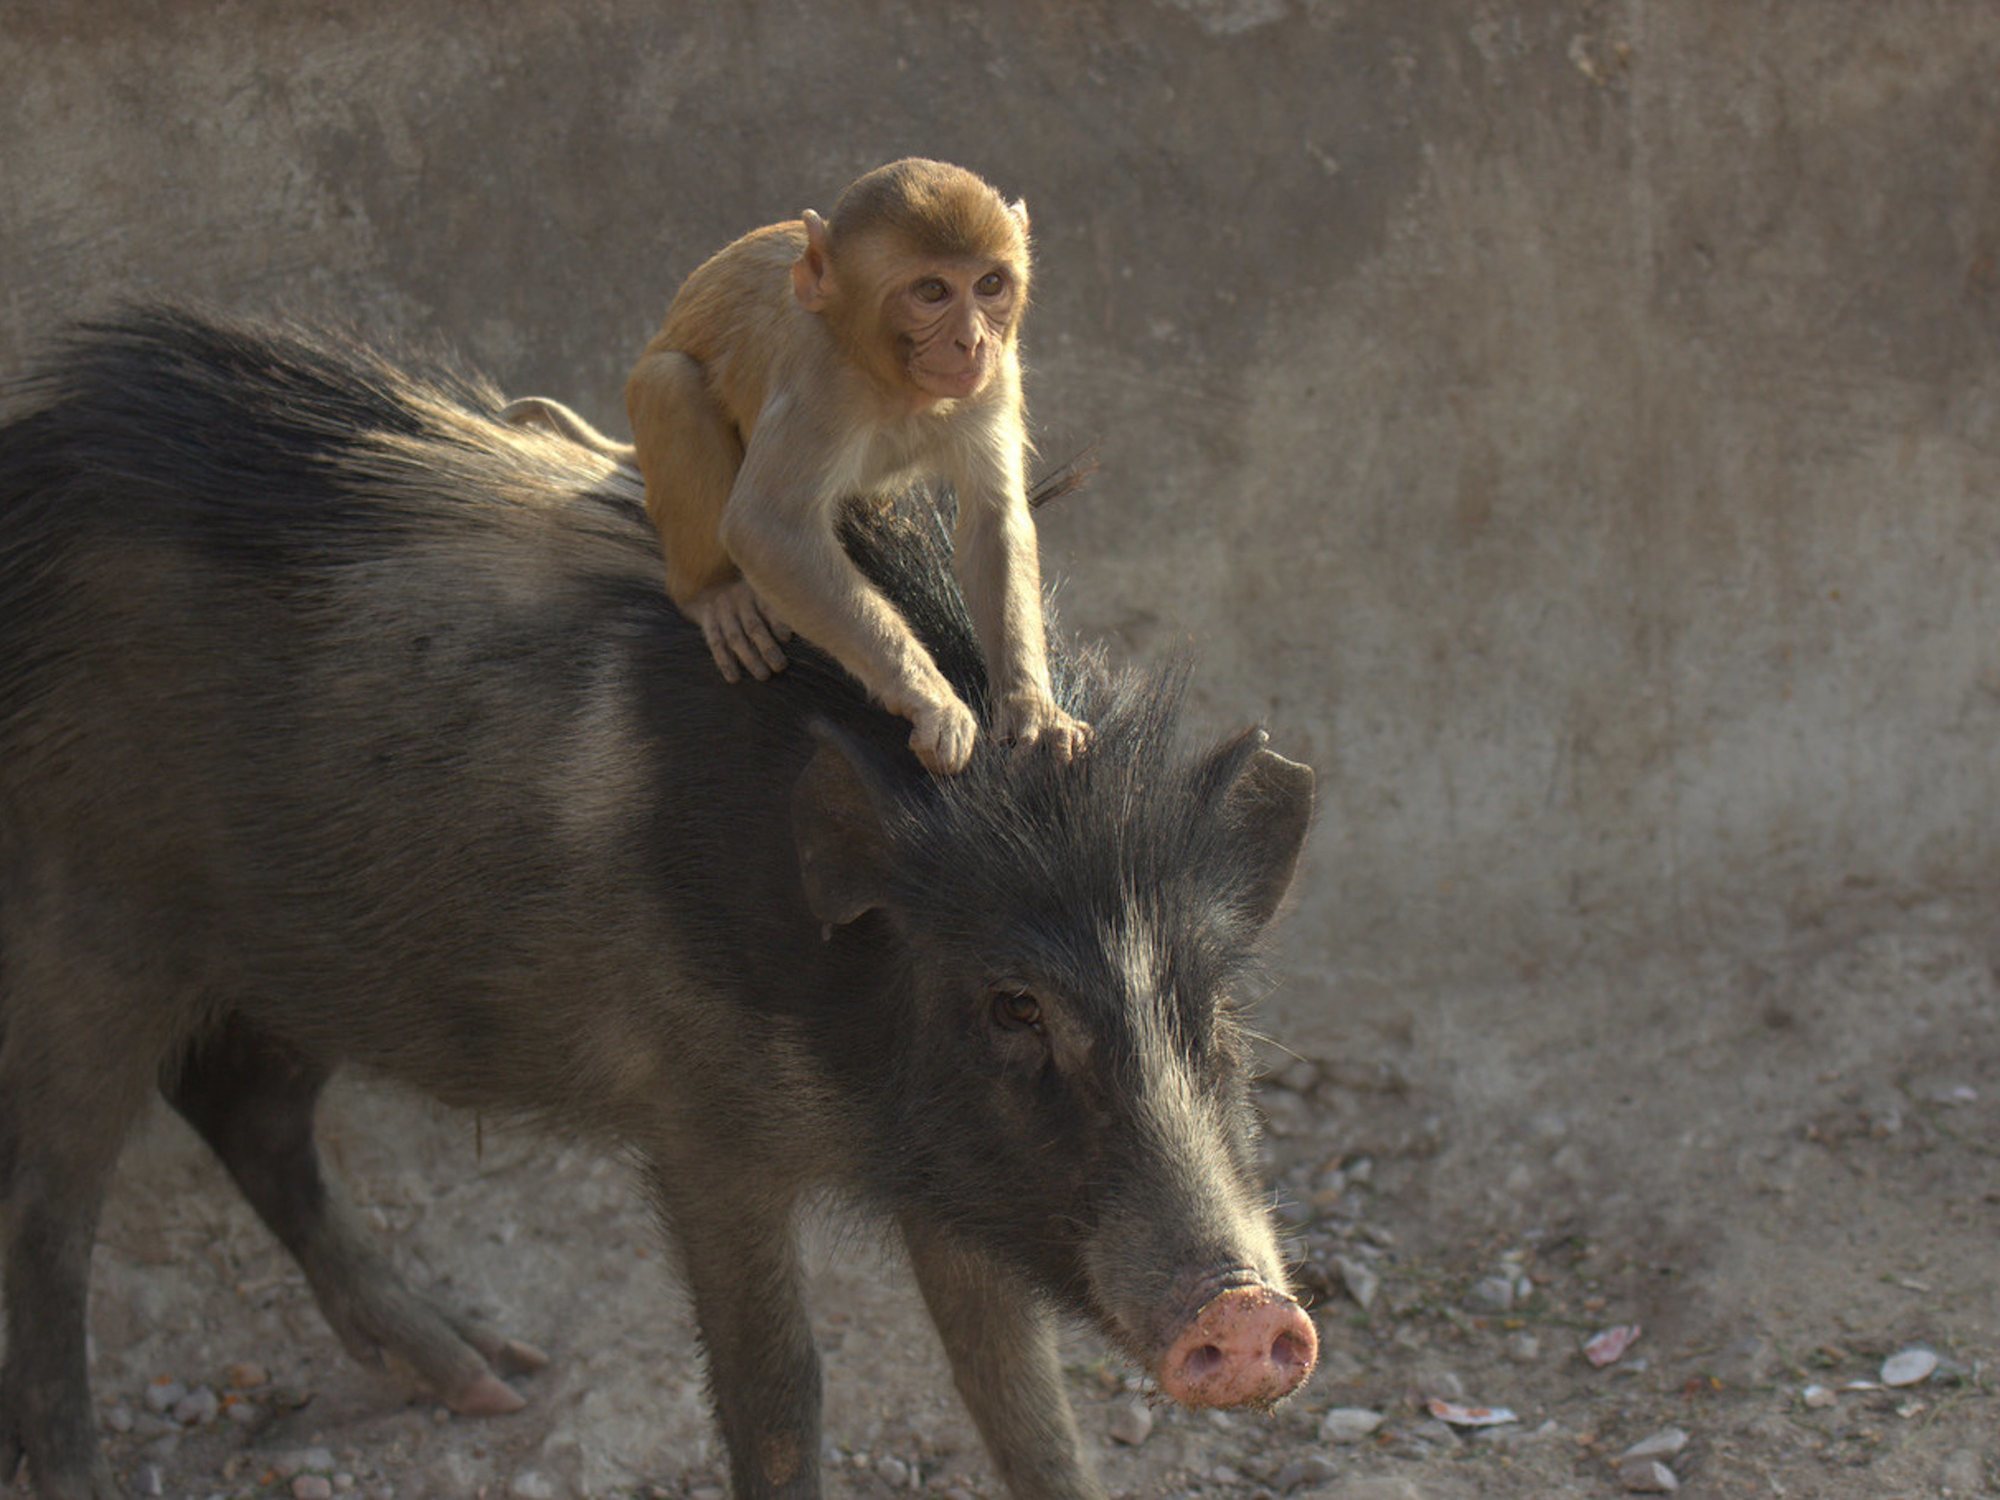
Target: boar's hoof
x,y
1249,1346
486,1396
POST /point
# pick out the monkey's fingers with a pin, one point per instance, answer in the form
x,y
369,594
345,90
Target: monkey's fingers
x,y
757,629
1068,739
718,646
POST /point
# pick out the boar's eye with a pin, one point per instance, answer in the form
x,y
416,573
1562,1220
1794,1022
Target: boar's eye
x,y
1015,1008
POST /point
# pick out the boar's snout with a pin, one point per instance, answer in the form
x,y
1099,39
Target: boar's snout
x,y
1247,1346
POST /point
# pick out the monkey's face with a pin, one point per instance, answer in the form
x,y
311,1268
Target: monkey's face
x,y
953,323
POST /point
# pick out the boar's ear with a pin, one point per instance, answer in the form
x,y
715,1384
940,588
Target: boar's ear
x,y
837,823
1266,804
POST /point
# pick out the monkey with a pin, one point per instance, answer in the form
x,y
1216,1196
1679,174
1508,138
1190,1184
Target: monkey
x,y
818,359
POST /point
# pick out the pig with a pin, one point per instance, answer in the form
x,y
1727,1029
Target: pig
x,y
344,726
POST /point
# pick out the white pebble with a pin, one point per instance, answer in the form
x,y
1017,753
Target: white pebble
x,y
1648,1476
197,1408
1663,1444
530,1485
1348,1424
1909,1367
1361,1282
895,1473
1817,1397
163,1393
1131,1423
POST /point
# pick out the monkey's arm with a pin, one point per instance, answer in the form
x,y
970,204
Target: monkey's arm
x,y
780,528
998,562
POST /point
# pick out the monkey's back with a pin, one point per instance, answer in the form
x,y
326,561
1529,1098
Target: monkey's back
x,y
729,316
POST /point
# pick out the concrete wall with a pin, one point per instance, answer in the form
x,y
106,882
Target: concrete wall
x,y
1573,426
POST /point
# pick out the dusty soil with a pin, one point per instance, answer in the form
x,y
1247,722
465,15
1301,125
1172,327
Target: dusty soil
x,y
1780,1164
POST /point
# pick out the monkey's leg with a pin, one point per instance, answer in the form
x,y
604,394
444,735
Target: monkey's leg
x,y
689,453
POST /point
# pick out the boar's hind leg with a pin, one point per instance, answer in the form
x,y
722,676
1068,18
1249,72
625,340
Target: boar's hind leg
x,y
252,1097
67,1097
1002,1347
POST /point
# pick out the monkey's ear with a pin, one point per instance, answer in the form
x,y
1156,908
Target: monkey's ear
x,y
1267,804
812,272
1019,209
844,859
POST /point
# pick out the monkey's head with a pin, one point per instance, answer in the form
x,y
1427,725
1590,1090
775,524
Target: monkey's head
x,y
922,273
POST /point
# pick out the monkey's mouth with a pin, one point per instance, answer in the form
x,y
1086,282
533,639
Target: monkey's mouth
x,y
958,383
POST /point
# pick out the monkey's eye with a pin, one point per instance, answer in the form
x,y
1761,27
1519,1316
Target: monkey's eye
x,y
1015,1008
991,284
931,289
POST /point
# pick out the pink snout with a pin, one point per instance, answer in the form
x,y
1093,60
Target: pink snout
x,y
1248,1346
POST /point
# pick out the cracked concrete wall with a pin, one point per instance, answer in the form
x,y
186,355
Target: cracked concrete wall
x,y
1570,425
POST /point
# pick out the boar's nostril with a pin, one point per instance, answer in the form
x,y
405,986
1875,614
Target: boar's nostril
x,y
1202,1363
1290,1353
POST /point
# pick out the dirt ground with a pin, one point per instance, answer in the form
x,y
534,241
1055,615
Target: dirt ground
x,y
1779,1164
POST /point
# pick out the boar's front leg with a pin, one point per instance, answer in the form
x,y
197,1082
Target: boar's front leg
x,y
1001,1343
739,1254
252,1098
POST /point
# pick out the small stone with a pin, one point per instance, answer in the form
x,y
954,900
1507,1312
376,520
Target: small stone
x,y
1309,1468
197,1408
1909,1367
530,1485
118,1419
1749,1360
1348,1424
307,1461
150,1481
244,1413
1361,1282
1300,1075
1131,1422
1663,1444
1491,1294
1524,1348
708,1492
1818,1397
343,1481
312,1487
1964,1474
893,1471
1648,1476
164,1393
1223,1475
247,1376
1434,1380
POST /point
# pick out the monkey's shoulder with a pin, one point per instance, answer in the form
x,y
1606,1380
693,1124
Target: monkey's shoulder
x,y
736,294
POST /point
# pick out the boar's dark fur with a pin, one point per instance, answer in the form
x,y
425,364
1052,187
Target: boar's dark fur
x,y
340,724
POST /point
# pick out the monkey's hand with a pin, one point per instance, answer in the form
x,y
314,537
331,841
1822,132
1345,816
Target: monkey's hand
x,y
1031,718
741,631
944,730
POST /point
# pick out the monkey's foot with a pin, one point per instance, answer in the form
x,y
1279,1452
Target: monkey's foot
x,y
741,630
1025,720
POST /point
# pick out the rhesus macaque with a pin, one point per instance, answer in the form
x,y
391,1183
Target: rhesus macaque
x,y
820,359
